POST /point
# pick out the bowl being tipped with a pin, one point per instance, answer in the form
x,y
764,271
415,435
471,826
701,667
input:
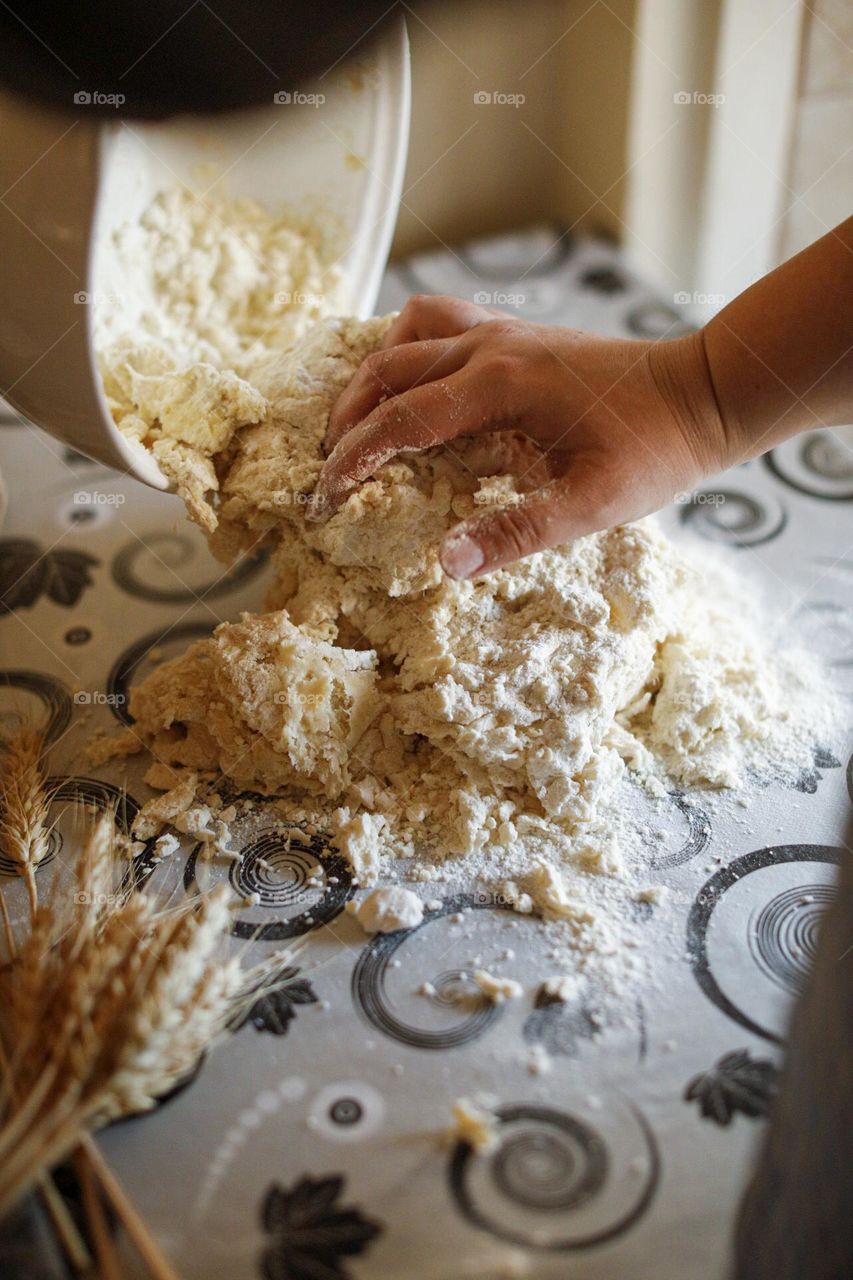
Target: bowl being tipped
x,y
69,182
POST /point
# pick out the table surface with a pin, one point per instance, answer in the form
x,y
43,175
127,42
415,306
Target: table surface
x,y
309,1144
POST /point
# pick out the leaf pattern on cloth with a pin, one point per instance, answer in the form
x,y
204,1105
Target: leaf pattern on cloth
x,y
311,1233
736,1082
276,1009
27,573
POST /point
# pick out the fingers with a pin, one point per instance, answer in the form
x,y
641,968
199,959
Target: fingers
x,y
434,316
557,513
418,419
389,372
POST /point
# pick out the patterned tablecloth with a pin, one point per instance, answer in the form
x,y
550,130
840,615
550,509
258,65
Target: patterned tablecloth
x,y
307,1146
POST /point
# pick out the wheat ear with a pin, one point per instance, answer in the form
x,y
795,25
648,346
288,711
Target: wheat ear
x,y
109,1004
24,828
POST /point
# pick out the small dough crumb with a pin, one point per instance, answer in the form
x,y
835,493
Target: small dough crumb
x,y
163,810
538,1060
497,989
654,894
474,1125
388,909
559,988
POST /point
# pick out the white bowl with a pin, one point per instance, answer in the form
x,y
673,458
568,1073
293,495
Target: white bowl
x,y
68,183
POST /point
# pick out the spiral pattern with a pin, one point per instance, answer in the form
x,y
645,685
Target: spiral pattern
x,y
50,692
553,1181
732,517
556,1169
278,874
176,552
780,938
276,864
92,792
347,1111
818,464
783,939
468,1012
698,833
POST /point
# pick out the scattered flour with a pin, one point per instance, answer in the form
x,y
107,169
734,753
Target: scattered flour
x,y
480,730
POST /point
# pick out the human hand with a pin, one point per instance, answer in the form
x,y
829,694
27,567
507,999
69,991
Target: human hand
x,y
623,426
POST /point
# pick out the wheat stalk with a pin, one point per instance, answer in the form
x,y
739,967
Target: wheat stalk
x,y
109,1004
24,828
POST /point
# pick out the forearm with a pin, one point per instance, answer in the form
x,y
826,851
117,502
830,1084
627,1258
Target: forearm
x,y
780,356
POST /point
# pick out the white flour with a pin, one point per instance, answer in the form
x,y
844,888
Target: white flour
x,y
478,731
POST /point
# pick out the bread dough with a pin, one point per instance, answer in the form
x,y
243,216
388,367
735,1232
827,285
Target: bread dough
x,y
488,721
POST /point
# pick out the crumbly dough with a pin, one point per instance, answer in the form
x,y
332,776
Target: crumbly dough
x,y
388,909
489,722
461,717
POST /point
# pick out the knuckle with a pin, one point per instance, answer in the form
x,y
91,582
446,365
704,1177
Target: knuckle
x,y
375,365
504,366
519,533
421,303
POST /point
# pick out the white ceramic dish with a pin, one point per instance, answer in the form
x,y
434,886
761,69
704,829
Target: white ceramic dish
x,y
67,184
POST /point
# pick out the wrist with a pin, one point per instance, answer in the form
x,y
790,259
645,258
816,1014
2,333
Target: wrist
x,y
682,374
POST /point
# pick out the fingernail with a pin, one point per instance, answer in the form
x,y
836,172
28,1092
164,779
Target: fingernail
x,y
461,556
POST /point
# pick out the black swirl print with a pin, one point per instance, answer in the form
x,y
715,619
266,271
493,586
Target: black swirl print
x,y
293,882
553,1180
53,709
760,915
166,567
733,517
818,464
454,1011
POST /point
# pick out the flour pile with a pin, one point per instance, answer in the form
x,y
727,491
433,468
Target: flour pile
x,y
477,729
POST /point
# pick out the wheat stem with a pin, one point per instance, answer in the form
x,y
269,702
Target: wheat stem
x,y
109,1267
147,1247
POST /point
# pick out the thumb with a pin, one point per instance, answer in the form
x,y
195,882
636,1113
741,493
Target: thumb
x,y
548,517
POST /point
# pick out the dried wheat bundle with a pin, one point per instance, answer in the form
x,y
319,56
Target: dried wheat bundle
x,y
109,1003
24,829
